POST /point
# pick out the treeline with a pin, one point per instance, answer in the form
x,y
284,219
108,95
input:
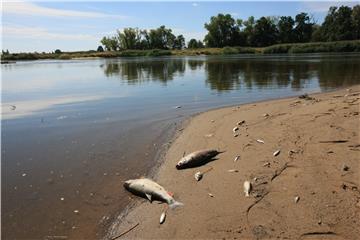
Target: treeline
x,y
223,30
340,24
135,38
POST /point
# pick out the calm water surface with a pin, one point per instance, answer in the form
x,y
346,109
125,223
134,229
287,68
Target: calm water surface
x,y
73,130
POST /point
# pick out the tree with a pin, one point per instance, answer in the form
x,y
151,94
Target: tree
x,y
265,32
130,38
344,25
286,29
192,43
57,51
110,43
179,42
222,31
303,27
200,44
100,49
249,30
356,21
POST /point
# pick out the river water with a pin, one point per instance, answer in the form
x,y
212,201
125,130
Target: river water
x,y
73,130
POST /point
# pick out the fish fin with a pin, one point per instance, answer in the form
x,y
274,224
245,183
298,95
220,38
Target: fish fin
x,y
149,197
175,204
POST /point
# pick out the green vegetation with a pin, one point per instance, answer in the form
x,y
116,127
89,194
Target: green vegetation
x,y
315,47
340,32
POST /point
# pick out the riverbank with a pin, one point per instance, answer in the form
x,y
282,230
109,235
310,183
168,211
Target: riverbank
x,y
293,48
309,190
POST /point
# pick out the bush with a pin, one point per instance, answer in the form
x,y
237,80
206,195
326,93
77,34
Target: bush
x,y
157,52
229,50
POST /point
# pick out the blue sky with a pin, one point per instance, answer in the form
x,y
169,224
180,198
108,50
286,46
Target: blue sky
x,y
69,26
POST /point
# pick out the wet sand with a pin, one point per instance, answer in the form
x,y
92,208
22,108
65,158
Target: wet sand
x,y
319,145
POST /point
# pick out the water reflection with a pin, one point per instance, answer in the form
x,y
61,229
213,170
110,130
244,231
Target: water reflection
x,y
229,73
135,72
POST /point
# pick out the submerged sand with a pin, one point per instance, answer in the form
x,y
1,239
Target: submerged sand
x,y
319,145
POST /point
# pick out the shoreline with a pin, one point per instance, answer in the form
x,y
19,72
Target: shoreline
x,y
136,210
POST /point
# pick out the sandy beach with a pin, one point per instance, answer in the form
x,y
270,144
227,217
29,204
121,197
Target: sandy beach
x,y
310,190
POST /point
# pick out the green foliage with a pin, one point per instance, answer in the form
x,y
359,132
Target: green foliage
x,y
100,49
237,50
57,51
265,32
192,44
316,47
223,31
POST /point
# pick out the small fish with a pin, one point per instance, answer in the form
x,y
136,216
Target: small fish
x,y
162,217
198,176
297,198
197,158
236,158
151,190
247,188
235,129
210,195
260,141
277,152
233,170
265,115
236,135
241,123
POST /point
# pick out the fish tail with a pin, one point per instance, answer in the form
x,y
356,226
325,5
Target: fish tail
x,y
174,204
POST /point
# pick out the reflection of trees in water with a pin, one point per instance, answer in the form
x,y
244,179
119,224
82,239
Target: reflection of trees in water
x,y
346,72
195,64
141,71
227,74
230,74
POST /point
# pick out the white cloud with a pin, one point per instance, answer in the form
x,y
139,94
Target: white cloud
x,y
195,4
319,6
27,8
42,33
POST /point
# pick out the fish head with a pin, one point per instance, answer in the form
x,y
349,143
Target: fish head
x,y
127,184
179,165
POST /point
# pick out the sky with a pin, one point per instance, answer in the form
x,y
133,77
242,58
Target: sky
x,y
71,26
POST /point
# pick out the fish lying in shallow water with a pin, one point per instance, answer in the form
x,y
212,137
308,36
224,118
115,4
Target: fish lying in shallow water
x,y
247,188
197,158
147,188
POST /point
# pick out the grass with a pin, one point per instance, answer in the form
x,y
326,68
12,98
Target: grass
x,y
293,48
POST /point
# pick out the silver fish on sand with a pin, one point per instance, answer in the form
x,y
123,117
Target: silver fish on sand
x,y
235,129
236,158
296,199
233,170
277,152
198,176
152,190
260,141
197,158
162,217
247,188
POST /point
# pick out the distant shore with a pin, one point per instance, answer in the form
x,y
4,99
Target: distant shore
x,y
310,189
293,48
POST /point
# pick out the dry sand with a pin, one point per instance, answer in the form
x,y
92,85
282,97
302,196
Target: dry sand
x,y
329,197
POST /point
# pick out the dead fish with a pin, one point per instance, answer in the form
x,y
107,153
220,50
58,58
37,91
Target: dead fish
x,y
241,123
235,129
210,195
247,188
198,176
197,158
260,141
162,217
265,115
233,170
236,135
152,190
296,199
267,164
277,152
236,158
